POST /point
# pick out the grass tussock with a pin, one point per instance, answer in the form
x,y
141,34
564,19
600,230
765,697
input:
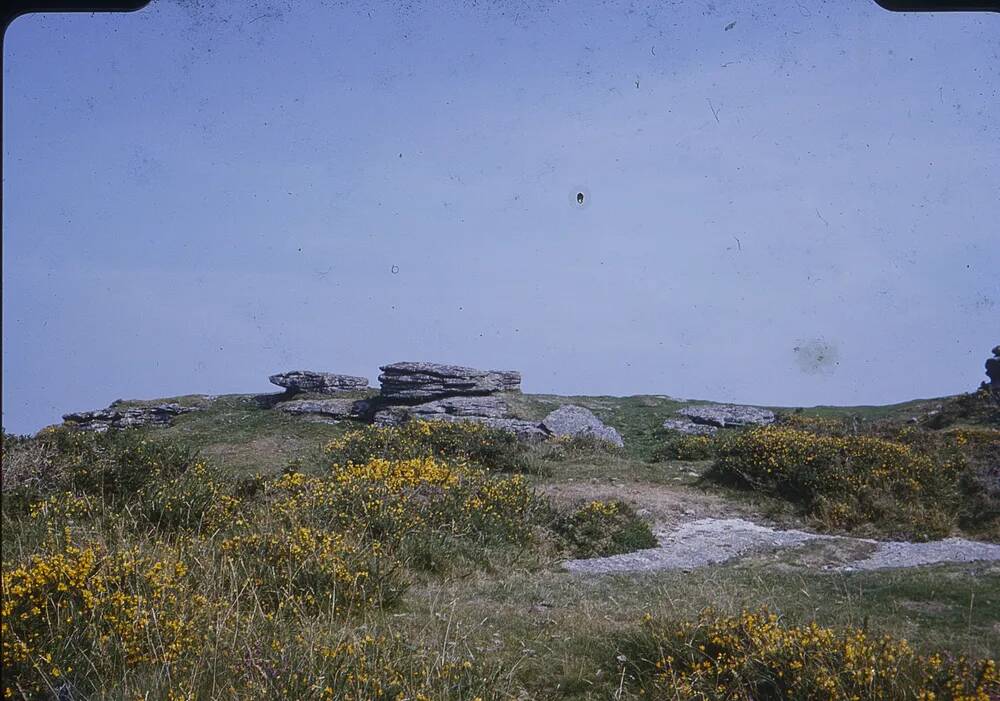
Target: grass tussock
x,y
602,528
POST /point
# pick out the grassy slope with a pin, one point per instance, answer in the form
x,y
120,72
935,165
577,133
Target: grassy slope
x,y
555,628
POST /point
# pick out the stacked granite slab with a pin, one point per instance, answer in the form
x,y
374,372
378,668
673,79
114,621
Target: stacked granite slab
x,y
328,410
420,382
435,392
101,420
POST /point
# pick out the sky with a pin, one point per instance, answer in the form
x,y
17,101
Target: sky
x,y
786,204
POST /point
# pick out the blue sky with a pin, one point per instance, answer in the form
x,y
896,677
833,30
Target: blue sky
x,y
801,209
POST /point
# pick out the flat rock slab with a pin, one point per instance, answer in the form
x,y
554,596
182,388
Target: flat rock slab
x,y
485,407
728,415
319,382
712,541
424,381
572,420
118,418
525,430
690,427
327,408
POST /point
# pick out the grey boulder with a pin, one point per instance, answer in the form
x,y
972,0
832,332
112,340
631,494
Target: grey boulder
x,y
572,420
132,417
689,427
423,381
318,382
728,415
326,408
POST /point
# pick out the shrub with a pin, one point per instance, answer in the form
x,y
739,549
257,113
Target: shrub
x,y
492,449
311,569
559,448
391,499
681,446
602,528
84,613
846,481
755,656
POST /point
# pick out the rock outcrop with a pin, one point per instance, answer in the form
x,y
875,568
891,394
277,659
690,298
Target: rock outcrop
x,y
529,431
318,382
331,409
993,372
421,382
728,415
572,420
690,427
131,417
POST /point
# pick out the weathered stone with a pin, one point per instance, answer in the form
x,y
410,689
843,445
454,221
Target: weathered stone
x,y
424,381
132,417
572,420
318,382
329,408
728,415
397,415
689,427
484,407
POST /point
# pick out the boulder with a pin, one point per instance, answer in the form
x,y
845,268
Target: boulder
x,y
326,408
121,417
417,382
728,415
572,420
318,382
689,427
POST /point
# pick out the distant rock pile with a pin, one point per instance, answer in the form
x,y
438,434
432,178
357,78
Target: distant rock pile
x,y
993,372
706,420
132,417
423,381
308,381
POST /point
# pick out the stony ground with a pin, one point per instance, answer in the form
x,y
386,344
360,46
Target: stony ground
x,y
707,541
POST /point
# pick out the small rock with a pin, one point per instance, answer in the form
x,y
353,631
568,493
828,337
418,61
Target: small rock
x,y
728,415
572,420
318,382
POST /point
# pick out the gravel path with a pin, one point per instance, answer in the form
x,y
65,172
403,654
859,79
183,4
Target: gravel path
x,y
714,540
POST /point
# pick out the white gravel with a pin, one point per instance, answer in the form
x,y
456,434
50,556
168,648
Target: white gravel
x,y
712,540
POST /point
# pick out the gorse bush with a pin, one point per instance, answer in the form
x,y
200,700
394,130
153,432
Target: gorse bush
x,y
83,613
489,448
755,656
602,528
846,481
679,446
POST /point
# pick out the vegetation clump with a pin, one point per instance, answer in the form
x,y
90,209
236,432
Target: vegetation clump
x,y
489,448
602,528
681,446
755,655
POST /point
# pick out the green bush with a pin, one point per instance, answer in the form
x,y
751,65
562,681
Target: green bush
x,y
847,481
492,449
602,528
681,446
